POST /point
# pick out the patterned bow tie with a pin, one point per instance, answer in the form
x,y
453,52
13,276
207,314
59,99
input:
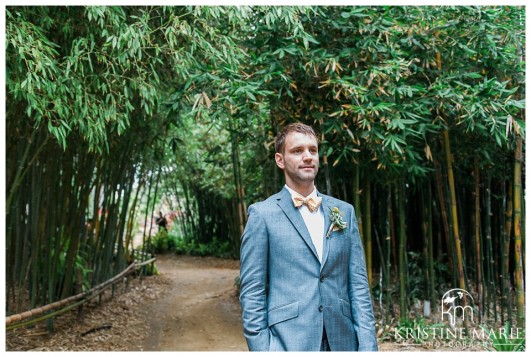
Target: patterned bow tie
x,y
313,203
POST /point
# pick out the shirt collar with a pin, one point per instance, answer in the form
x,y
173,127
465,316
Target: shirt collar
x,y
295,193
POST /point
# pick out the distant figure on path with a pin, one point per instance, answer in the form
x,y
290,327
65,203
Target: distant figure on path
x,y
161,222
303,275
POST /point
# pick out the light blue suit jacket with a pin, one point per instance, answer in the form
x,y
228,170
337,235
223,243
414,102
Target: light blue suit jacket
x,y
288,296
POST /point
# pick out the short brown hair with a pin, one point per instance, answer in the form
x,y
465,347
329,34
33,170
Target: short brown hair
x,y
280,140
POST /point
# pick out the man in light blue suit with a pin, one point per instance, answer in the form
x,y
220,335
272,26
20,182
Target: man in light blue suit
x,y
303,276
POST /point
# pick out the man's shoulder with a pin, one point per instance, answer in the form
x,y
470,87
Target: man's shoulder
x,y
268,203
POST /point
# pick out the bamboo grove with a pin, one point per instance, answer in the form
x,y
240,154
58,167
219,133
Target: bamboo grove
x,y
112,110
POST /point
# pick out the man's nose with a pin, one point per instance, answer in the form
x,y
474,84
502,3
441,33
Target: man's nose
x,y
307,156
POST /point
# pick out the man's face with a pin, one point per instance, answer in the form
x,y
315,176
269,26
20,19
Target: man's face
x,y
300,160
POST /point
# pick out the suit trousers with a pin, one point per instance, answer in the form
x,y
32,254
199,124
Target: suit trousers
x,y
325,347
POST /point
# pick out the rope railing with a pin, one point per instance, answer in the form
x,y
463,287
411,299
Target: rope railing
x,y
71,302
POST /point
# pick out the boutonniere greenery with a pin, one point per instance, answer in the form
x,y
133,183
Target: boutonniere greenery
x,y
338,224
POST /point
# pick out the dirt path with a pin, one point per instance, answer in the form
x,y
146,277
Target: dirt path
x,y
200,309
191,306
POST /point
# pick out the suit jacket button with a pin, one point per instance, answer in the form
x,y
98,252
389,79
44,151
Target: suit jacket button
x,y
321,308
322,279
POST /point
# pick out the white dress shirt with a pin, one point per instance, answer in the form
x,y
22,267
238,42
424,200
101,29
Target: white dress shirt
x,y
314,222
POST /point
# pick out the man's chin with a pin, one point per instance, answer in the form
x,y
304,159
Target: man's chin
x,y
308,177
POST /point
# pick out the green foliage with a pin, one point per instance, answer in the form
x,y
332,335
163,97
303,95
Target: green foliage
x,y
81,69
504,339
164,242
198,94
416,268
416,284
214,248
237,282
57,262
82,266
150,269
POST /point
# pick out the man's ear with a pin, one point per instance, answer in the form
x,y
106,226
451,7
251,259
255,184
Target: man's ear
x,y
279,160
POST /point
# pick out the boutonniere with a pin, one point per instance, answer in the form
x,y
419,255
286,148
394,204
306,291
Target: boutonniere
x,y
338,224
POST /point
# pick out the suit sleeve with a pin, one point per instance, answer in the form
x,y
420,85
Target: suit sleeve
x,y
254,252
359,291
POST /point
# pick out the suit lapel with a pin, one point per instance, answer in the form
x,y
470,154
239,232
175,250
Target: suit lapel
x,y
326,241
293,214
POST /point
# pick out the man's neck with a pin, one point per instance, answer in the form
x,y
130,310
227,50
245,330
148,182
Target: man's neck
x,y
304,191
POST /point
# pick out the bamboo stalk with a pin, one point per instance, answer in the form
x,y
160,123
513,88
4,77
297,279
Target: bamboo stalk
x,y
326,166
121,238
444,216
429,274
367,239
357,193
388,248
237,184
491,288
74,239
150,236
451,182
130,224
23,167
518,272
147,211
479,255
425,242
431,267
507,248
402,248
